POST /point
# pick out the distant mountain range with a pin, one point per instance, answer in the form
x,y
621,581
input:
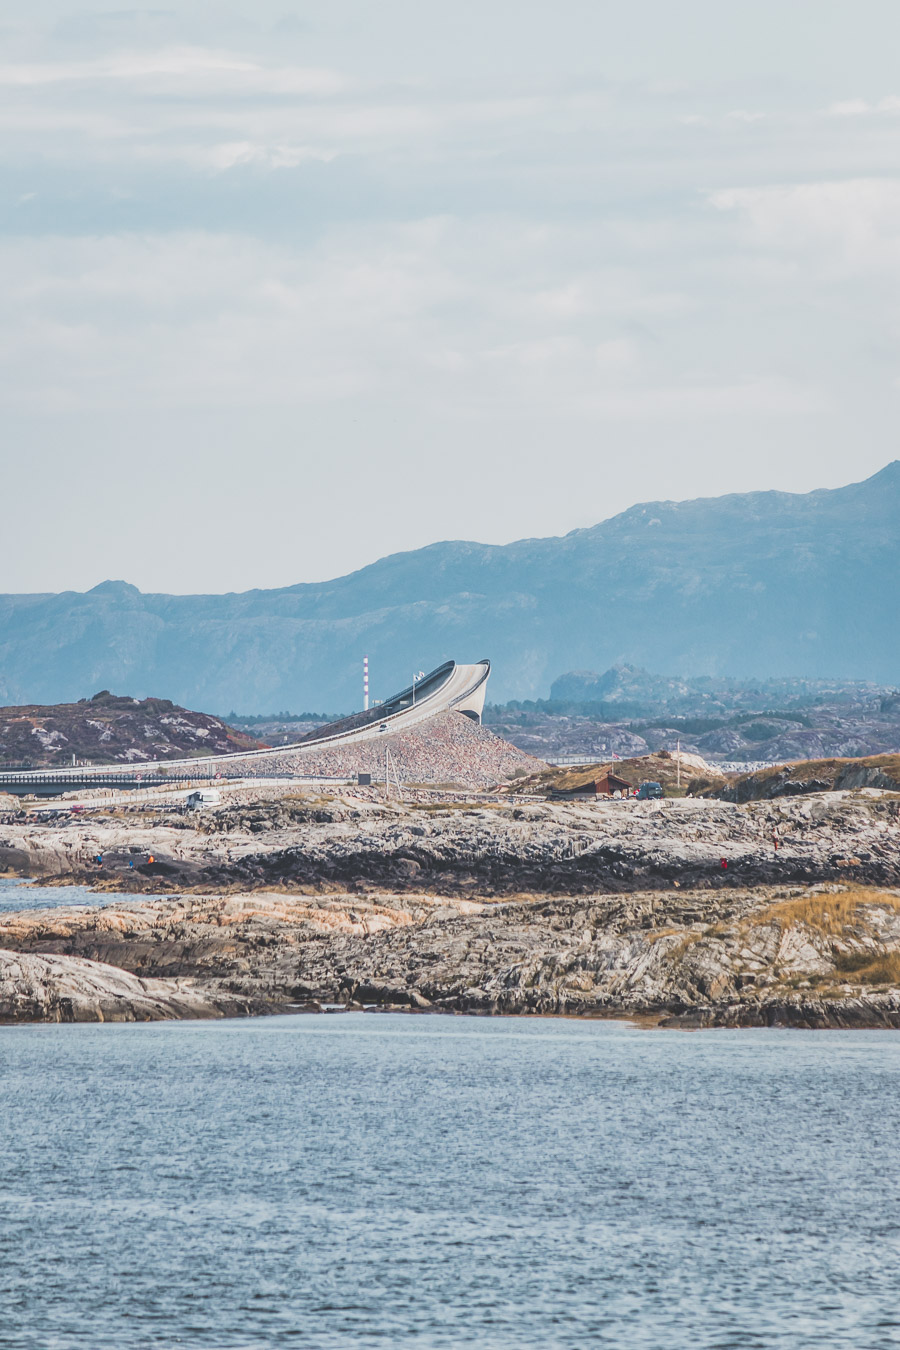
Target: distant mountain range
x,y
753,585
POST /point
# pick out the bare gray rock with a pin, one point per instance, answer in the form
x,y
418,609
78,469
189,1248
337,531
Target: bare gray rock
x,y
491,848
702,958
54,988
671,909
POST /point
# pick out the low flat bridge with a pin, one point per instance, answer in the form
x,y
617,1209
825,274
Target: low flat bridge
x,y
451,687
41,784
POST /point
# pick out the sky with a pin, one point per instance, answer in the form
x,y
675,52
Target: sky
x,y
287,288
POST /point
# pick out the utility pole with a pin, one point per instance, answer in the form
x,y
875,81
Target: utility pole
x,y
365,684
388,765
678,764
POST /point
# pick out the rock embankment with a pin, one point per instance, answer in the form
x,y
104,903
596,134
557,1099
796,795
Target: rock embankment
x,y
449,748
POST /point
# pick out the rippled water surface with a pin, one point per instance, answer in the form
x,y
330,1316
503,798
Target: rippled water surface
x,y
390,1180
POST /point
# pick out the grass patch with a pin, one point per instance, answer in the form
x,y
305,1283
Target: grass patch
x,y
445,808
833,916
658,933
827,914
866,968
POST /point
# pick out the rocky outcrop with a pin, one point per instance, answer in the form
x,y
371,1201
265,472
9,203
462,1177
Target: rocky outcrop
x,y
476,848
108,729
700,912
731,958
811,776
70,989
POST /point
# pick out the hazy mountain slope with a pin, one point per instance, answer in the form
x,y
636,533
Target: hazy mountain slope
x,y
755,584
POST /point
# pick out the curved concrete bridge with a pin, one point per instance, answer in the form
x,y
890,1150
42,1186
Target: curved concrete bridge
x,y
451,687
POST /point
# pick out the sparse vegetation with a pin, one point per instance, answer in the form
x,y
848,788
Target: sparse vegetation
x,y
111,728
830,914
659,768
811,775
864,968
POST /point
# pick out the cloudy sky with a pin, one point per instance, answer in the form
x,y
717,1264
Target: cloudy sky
x,y
289,287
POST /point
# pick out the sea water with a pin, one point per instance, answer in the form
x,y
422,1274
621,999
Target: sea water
x,y
420,1181
18,893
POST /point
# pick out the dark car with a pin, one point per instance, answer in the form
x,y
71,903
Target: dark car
x,y
649,792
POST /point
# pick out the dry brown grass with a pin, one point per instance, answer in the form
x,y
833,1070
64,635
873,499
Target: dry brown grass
x,y
839,915
831,914
834,771
635,771
658,933
454,808
869,968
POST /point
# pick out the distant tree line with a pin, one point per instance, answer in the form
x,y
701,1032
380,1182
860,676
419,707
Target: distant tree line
x,y
256,719
637,716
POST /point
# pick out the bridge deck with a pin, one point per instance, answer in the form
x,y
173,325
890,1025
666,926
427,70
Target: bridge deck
x,y
447,687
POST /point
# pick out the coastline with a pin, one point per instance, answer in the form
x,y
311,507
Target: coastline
x,y
746,961
582,910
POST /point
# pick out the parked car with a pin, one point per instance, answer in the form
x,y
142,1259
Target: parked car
x,y
649,792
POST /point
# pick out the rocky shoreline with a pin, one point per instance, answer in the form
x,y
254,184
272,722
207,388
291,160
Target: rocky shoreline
x,y
593,909
491,847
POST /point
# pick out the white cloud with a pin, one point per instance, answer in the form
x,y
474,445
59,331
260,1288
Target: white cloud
x,y
758,398
851,107
433,313
234,153
374,231
859,107
846,227
195,69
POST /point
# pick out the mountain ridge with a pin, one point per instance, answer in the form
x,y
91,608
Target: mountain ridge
x,y
763,583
